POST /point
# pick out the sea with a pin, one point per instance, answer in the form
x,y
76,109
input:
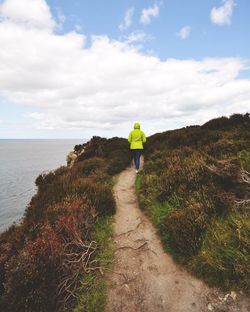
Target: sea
x,y
21,161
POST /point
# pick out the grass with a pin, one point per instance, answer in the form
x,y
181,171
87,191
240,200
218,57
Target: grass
x,y
245,160
158,212
102,234
138,181
225,253
113,180
93,289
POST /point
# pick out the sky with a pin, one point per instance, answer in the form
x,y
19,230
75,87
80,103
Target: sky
x,y
78,68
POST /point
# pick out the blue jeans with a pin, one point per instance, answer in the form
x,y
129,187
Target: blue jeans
x,y
136,156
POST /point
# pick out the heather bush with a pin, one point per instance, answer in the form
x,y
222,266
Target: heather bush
x,y
223,123
217,123
89,167
99,194
31,276
115,151
203,137
186,228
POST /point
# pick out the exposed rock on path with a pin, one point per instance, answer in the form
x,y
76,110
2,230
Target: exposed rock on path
x,y
144,277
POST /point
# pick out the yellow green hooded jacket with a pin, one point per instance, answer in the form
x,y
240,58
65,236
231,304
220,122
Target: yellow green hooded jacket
x,y
136,137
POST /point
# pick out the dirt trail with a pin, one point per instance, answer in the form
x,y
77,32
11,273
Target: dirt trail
x,y
144,277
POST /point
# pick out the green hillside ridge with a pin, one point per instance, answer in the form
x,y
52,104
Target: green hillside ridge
x,y
194,187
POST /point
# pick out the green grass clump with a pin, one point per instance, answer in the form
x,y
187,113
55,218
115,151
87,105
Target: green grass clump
x,y
103,235
157,214
159,211
92,292
93,298
245,160
138,181
224,257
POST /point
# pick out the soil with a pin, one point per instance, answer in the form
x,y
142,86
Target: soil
x,y
144,277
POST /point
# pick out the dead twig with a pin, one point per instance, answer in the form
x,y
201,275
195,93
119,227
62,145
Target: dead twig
x,y
245,177
125,277
77,261
243,201
153,251
130,247
127,281
242,204
130,230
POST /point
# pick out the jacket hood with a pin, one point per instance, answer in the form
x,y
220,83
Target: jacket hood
x,y
137,125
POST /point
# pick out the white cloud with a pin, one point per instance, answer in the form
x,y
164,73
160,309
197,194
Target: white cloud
x,y
110,83
35,115
184,32
137,36
127,21
148,13
78,27
61,18
222,15
32,13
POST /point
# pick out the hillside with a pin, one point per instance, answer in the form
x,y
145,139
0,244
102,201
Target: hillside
x,y
194,188
53,259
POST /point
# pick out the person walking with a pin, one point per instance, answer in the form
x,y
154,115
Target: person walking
x,y
136,139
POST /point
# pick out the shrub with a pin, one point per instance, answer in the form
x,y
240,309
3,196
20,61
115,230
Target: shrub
x,y
99,194
186,227
225,253
89,167
245,159
217,124
223,123
32,275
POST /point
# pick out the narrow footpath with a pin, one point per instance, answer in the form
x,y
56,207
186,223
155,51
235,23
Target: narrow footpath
x,y
144,277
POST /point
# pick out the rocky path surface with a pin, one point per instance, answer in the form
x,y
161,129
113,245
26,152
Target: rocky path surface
x,y
144,277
